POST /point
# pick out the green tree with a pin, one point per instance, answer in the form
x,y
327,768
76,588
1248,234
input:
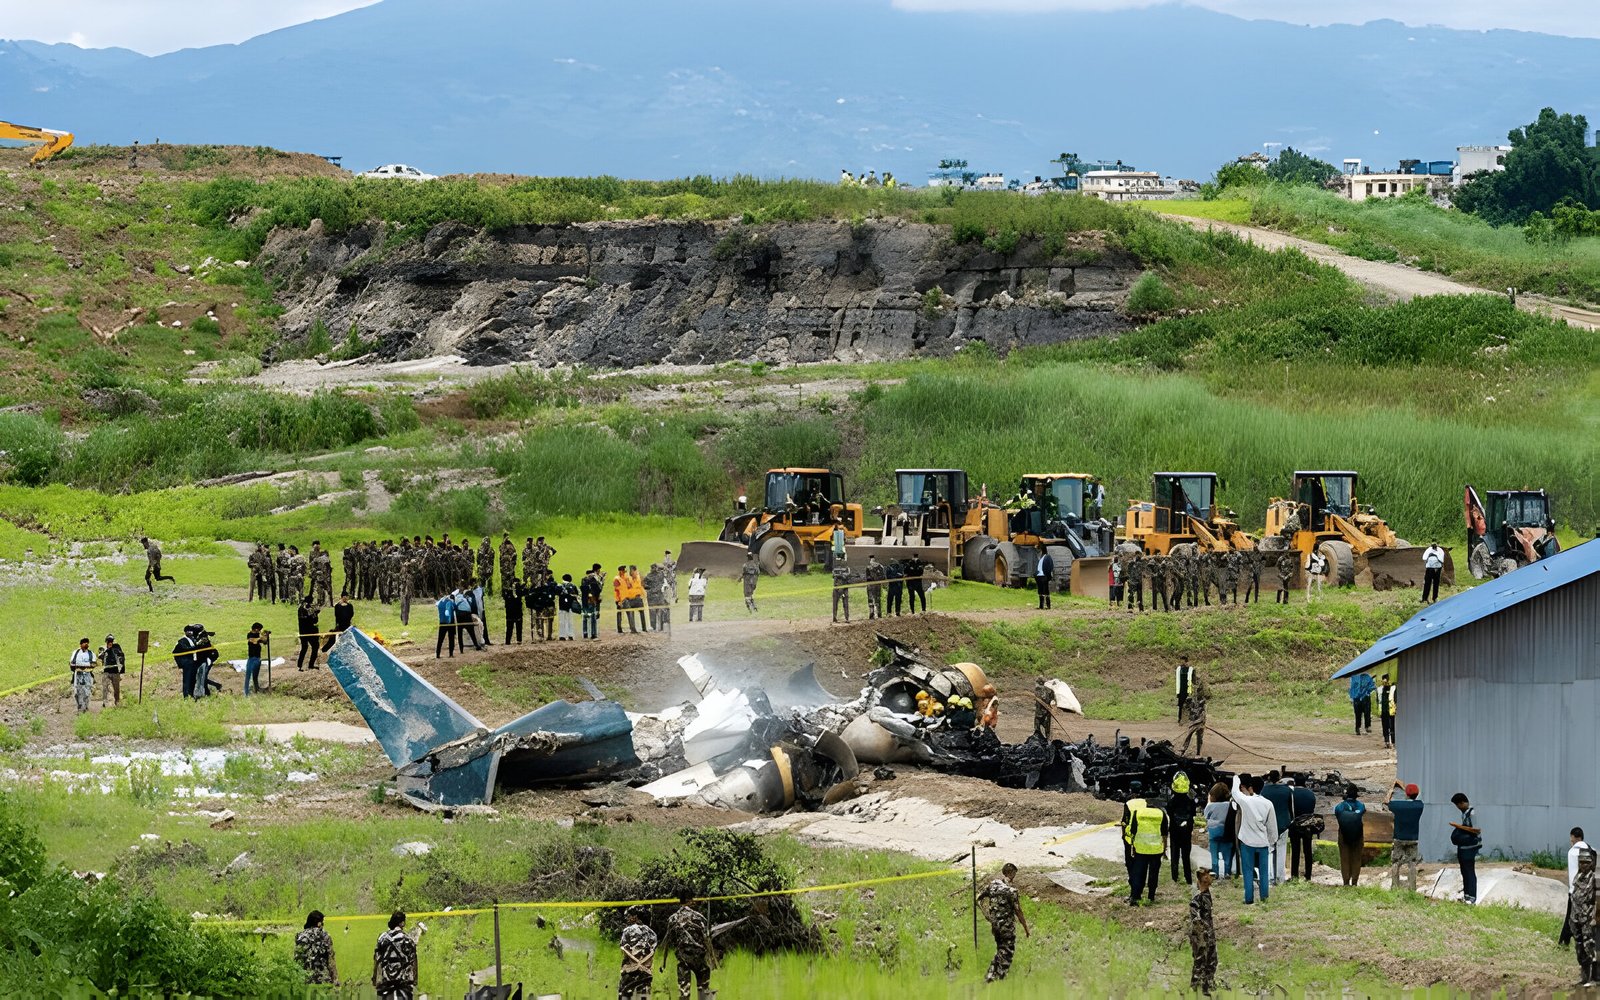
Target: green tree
x,y
1234,174
1548,164
1295,167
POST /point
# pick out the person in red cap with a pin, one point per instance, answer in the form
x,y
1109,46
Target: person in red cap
x,y
1407,821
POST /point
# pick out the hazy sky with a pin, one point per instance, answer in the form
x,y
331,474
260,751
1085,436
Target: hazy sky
x,y
154,26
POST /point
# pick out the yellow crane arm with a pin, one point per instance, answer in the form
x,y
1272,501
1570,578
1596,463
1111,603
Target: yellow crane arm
x,y
54,141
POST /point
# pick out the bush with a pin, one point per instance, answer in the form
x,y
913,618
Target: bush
x,y
1150,296
30,447
63,937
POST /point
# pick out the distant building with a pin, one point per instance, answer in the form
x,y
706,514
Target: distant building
x,y
1127,185
1362,183
1498,692
1477,160
1258,160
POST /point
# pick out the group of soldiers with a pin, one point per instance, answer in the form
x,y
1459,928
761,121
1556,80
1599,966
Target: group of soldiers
x,y
899,577
390,572
1195,575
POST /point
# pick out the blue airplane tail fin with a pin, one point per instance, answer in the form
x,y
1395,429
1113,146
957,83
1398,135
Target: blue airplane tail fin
x,y
408,715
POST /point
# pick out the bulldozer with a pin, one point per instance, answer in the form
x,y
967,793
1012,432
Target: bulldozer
x,y
53,141
1182,518
1514,528
1053,512
1323,514
791,530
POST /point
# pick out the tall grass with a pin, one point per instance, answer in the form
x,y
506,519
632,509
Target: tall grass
x,y
1432,238
1124,427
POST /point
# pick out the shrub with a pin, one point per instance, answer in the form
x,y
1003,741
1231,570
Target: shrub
x,y
1150,296
30,447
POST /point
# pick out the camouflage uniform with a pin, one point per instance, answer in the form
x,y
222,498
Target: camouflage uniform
x,y
313,949
1135,581
322,577
841,589
527,564
1581,919
258,573
348,558
999,902
371,563
1253,561
297,576
408,569
1202,943
1232,568
1043,699
1219,575
750,574
875,576
638,951
1287,564
1177,579
508,563
1158,581
281,566
486,566
395,957
689,935
541,558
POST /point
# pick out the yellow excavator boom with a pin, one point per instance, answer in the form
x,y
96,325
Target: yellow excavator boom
x,y
54,141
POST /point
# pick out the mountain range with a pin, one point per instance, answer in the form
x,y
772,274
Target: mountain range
x,y
666,88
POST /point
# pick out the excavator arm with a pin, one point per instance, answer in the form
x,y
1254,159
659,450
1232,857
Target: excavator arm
x,y
53,140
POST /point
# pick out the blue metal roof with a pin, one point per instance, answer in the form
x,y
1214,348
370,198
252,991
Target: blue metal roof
x,y
1480,602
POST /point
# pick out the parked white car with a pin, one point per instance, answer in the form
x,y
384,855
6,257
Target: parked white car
x,y
398,171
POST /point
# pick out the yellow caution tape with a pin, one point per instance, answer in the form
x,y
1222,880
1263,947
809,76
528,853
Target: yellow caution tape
x,y
275,925
1081,833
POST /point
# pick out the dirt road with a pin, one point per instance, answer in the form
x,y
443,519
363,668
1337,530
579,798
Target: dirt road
x,y
1395,280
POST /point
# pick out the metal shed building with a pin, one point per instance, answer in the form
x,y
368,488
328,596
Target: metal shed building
x,y
1499,697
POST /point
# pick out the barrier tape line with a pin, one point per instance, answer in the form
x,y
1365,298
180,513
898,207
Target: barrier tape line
x,y
1081,833
605,904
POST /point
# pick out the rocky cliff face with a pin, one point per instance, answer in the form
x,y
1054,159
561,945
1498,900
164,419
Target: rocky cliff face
x,y
638,293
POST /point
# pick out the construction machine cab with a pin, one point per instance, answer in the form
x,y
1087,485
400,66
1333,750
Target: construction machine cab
x,y
1319,494
1508,529
939,495
1182,510
813,494
1052,502
792,529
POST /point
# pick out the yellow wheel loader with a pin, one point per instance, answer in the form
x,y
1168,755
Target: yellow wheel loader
x,y
1182,516
791,530
53,141
1323,514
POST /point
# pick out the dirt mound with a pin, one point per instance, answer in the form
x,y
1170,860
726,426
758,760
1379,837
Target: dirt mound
x,y
169,162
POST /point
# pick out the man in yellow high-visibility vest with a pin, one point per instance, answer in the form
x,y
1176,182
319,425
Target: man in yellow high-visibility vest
x,y
1146,833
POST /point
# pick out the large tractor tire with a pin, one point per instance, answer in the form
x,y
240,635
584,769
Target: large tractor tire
x,y
1009,570
1479,563
777,556
977,559
1341,559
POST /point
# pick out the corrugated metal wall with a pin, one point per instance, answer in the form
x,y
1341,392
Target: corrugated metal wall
x,y
1507,710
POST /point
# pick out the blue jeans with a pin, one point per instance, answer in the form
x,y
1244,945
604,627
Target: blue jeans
x,y
1467,858
1223,850
1255,863
252,675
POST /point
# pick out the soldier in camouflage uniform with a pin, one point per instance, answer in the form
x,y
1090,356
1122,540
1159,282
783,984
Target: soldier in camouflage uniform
x,y
689,935
1232,569
1219,575
404,583
527,563
1134,575
1002,905
1581,917
638,951
486,566
1157,569
347,560
542,554
1253,561
750,575
1288,562
313,950
280,565
1202,935
841,588
508,562
298,567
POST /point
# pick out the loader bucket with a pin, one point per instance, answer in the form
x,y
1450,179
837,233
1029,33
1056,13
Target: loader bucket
x,y
936,556
719,559
1089,577
1386,569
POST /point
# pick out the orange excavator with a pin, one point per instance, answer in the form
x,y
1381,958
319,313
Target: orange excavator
x,y
54,141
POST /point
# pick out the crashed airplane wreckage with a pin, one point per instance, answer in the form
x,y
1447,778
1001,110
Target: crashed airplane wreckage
x,y
730,747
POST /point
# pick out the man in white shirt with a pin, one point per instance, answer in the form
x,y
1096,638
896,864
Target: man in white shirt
x,y
1573,853
1432,569
82,663
1316,567
1258,834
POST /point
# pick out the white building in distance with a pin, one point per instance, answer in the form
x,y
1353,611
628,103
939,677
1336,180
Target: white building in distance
x,y
1478,159
1127,185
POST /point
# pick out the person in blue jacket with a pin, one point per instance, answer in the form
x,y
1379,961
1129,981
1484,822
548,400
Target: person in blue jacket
x,y
1361,688
447,626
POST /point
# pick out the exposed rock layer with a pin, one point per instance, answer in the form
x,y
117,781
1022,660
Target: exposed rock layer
x,y
625,294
